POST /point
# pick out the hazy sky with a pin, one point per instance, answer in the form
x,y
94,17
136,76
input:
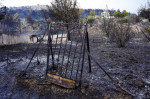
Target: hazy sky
x,y
129,5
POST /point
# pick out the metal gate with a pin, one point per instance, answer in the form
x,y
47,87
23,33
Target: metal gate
x,y
66,50
65,53
66,47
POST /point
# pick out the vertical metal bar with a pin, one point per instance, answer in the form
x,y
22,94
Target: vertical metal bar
x,y
69,52
68,33
56,43
33,54
64,52
7,58
88,48
83,57
51,48
75,50
48,50
79,56
51,34
60,48
51,44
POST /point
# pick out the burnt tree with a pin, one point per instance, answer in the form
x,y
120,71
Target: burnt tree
x,y
66,11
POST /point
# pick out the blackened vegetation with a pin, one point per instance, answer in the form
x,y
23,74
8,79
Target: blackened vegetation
x,y
117,32
145,11
36,70
2,13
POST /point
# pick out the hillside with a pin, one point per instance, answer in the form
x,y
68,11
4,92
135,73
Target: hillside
x,y
36,13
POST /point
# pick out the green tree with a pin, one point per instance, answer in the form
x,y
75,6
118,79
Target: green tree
x,y
125,13
117,14
92,13
145,11
120,14
91,20
16,19
66,11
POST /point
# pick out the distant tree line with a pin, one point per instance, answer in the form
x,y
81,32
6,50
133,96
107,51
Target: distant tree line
x,y
121,14
145,11
36,13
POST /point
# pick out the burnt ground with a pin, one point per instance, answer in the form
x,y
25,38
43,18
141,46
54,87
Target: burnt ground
x,y
129,66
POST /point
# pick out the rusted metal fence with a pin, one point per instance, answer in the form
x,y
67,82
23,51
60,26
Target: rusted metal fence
x,y
65,50
67,55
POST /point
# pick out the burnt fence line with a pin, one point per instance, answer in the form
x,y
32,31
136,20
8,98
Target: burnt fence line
x,y
113,81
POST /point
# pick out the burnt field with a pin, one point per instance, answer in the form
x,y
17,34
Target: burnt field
x,y
117,72
65,49
129,66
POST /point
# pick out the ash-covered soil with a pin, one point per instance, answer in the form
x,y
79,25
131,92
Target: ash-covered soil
x,y
129,66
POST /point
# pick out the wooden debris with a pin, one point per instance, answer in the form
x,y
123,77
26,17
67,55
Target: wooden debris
x,y
63,82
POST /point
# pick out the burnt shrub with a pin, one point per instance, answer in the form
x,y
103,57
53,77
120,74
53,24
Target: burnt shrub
x,y
107,25
118,32
122,34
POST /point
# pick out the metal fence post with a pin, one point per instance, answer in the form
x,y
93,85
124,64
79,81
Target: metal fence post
x,y
83,56
51,45
48,50
88,47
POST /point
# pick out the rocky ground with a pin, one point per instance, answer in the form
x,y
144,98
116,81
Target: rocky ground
x,y
129,66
